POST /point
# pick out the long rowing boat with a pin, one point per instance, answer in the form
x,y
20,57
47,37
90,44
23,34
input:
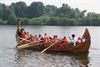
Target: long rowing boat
x,y
82,47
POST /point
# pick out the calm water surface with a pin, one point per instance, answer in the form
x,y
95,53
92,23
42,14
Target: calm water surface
x,y
10,57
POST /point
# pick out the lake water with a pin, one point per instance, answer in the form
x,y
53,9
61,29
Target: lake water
x,y
10,57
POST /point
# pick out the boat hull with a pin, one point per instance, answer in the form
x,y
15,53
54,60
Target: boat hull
x,y
82,47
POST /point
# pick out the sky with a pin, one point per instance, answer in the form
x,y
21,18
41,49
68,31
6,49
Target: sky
x,y
89,5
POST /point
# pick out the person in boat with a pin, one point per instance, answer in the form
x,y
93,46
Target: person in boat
x,y
46,37
31,38
36,40
27,36
22,33
50,39
41,41
64,41
39,37
73,39
55,39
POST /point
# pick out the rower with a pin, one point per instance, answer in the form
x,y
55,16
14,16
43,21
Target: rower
x,y
55,39
31,38
22,33
27,36
39,37
64,40
36,39
41,41
46,37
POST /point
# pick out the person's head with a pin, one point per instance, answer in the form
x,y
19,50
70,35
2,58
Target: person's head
x,y
39,35
45,34
35,35
54,36
64,37
31,35
73,35
22,30
50,37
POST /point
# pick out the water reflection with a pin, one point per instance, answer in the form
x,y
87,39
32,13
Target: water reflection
x,y
22,56
71,60
32,58
82,59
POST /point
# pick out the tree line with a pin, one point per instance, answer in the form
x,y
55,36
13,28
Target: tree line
x,y
38,14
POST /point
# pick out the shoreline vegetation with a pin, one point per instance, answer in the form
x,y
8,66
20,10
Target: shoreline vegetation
x,y
38,14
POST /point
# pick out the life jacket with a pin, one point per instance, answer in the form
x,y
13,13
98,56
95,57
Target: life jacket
x,y
47,40
55,40
32,39
39,38
64,40
36,39
27,36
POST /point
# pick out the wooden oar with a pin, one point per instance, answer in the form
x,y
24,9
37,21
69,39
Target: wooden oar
x,y
20,42
29,45
16,44
25,39
47,48
31,42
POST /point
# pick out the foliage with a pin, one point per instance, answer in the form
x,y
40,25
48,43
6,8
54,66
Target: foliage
x,y
38,14
2,22
36,9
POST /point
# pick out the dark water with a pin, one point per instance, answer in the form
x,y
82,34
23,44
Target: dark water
x,y
10,57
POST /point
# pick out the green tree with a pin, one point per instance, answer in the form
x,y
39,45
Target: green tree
x,y
82,14
2,22
63,11
36,9
12,20
20,9
50,10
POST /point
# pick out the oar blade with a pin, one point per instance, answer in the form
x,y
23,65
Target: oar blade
x,y
47,48
22,46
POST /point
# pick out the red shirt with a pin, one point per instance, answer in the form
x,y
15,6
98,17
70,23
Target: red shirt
x,y
22,34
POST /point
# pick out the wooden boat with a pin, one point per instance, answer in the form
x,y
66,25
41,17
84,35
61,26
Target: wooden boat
x,y
82,47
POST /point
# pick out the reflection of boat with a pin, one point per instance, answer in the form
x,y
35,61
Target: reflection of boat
x,y
82,47
83,60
